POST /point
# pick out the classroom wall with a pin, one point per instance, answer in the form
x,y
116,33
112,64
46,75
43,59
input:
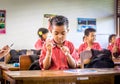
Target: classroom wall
x,y
24,17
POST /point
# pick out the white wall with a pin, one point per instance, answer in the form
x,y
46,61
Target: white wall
x,y
24,17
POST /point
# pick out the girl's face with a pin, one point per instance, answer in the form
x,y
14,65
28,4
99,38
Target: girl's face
x,y
91,37
59,33
44,36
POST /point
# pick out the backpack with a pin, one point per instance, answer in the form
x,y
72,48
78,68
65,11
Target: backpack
x,y
101,59
35,65
15,55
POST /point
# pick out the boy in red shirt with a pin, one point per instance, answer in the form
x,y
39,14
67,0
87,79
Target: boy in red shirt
x,y
58,53
89,44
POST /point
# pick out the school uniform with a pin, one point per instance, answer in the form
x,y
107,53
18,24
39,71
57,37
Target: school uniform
x,y
84,46
58,58
110,46
117,43
39,44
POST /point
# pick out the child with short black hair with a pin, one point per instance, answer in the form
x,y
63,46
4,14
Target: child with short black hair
x,y
89,34
89,44
58,53
84,39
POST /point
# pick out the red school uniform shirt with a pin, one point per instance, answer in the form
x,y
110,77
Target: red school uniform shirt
x,y
83,47
117,43
39,44
58,58
110,46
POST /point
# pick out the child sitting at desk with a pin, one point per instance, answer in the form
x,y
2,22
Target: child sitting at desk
x,y
58,53
89,34
42,33
89,43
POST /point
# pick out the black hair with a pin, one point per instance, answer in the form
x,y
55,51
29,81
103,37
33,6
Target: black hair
x,y
59,21
42,31
110,37
83,38
88,31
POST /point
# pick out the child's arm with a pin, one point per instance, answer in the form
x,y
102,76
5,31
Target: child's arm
x,y
115,49
115,52
47,59
4,48
70,60
4,51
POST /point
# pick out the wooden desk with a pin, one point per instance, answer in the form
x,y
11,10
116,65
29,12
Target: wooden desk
x,y
100,76
6,67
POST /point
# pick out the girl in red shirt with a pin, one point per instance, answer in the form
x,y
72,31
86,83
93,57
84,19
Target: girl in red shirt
x,y
42,33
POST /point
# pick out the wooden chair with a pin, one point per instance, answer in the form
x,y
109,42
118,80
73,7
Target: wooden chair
x,y
25,62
